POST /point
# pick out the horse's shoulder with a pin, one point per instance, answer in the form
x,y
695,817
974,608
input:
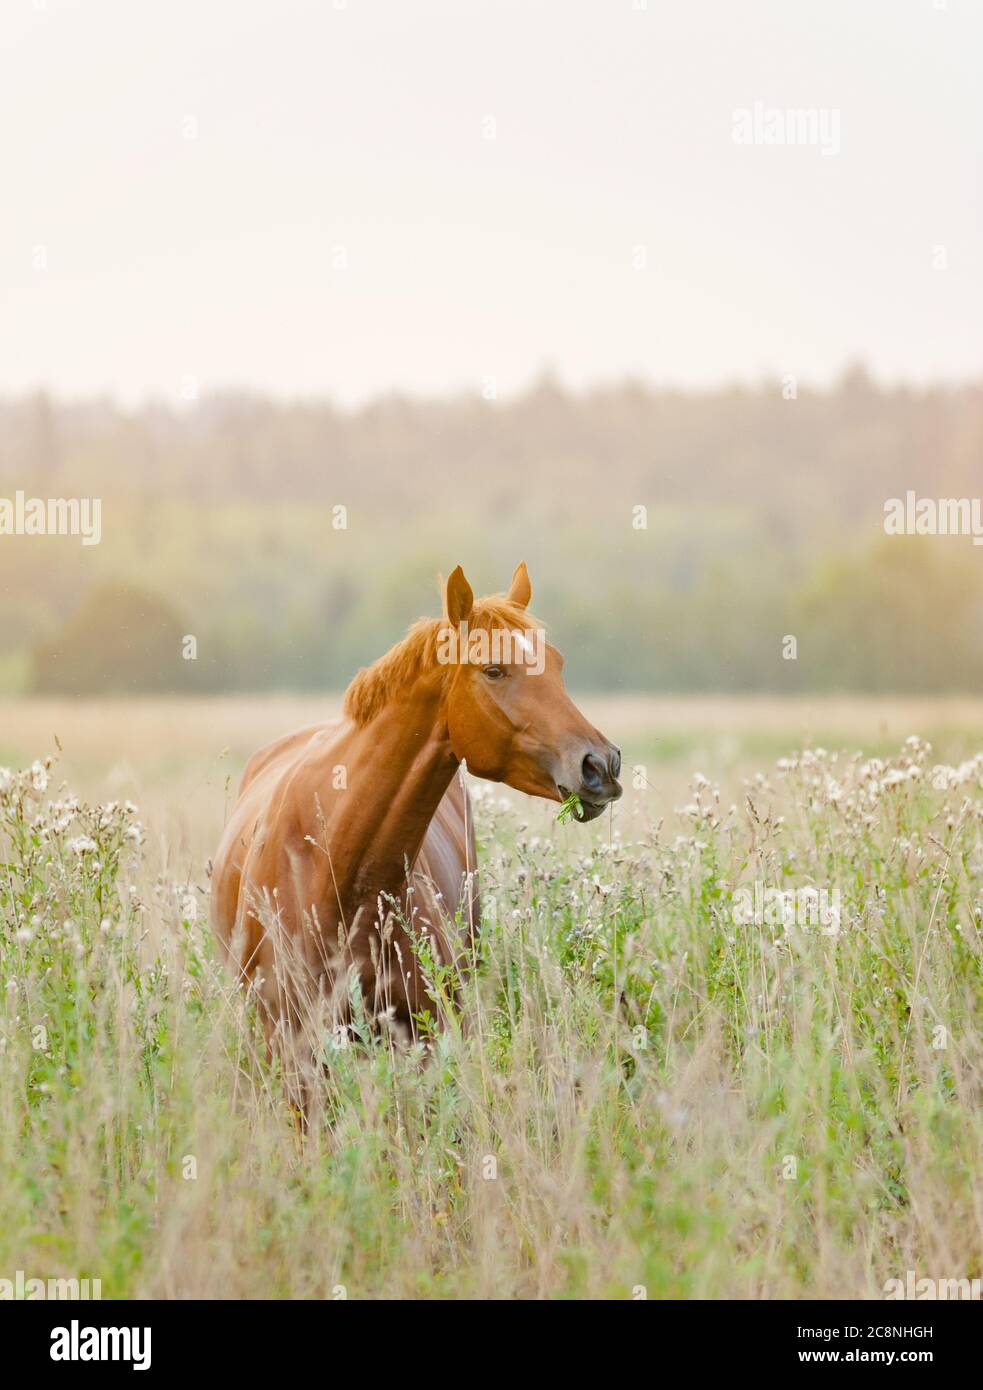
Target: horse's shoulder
x,y
285,752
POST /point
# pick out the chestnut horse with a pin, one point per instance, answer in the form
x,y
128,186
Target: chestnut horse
x,y
351,843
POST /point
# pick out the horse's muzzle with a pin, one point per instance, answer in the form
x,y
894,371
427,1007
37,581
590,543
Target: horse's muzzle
x,y
599,784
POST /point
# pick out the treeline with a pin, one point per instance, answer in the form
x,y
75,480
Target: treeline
x,y
675,541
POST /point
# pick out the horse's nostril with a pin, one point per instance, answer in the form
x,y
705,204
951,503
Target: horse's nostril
x,y
592,771
614,762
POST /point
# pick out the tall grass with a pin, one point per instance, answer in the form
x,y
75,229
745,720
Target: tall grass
x,y
651,1099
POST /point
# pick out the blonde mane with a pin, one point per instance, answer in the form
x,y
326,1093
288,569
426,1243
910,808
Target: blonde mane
x,y
374,686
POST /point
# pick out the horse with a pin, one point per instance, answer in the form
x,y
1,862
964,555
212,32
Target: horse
x,y
352,844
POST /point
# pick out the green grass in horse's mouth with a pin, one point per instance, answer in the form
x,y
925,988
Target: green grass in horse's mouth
x,y
572,807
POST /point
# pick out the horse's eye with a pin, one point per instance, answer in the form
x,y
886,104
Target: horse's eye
x,y
494,673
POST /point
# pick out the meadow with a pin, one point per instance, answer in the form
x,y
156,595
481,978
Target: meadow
x,y
654,1099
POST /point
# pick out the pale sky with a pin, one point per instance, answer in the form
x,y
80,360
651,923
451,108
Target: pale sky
x,y
300,196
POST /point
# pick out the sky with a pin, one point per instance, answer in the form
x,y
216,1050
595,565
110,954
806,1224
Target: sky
x,y
344,198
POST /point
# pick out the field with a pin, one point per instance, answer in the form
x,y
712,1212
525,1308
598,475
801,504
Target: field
x,y
655,1100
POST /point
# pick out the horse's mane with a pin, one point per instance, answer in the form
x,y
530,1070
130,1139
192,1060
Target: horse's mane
x,y
374,686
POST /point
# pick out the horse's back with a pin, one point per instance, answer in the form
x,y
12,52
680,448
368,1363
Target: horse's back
x,y
253,817
283,750
442,875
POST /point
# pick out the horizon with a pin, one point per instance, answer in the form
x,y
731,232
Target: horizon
x,y
852,370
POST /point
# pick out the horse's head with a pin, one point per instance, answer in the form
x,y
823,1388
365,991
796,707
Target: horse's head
x,y
508,712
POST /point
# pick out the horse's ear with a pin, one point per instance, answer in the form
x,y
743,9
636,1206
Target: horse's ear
x,y
458,598
521,591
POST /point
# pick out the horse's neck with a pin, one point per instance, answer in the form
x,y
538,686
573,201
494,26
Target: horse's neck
x,y
401,766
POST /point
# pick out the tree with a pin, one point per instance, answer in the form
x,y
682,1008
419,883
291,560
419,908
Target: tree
x,y
121,641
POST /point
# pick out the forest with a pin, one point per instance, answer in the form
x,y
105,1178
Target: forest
x,y
675,540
